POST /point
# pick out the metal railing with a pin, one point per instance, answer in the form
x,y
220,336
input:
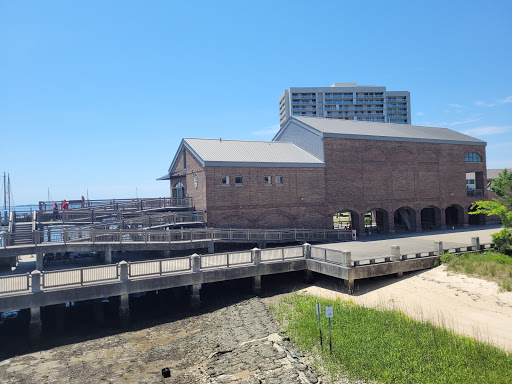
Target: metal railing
x,y
475,192
141,269
91,235
80,276
225,259
15,283
121,204
281,254
159,267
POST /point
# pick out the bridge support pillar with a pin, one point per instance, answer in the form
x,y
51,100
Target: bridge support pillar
x,y
39,259
262,245
309,278
36,325
99,315
256,284
167,253
349,284
106,256
124,310
211,247
195,297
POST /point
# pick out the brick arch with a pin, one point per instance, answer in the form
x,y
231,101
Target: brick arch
x,y
355,217
430,216
371,153
402,156
428,157
454,214
404,218
276,218
234,220
381,218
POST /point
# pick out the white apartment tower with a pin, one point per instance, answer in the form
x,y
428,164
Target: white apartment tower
x,y
347,101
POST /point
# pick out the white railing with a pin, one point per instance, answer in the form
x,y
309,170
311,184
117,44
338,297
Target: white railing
x,y
282,254
16,283
225,259
159,267
80,276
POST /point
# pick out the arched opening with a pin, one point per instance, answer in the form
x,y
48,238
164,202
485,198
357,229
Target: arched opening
x,y
405,219
475,219
430,218
178,190
346,220
454,215
376,221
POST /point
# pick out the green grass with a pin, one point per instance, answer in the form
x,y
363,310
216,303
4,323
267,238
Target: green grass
x,y
388,346
490,265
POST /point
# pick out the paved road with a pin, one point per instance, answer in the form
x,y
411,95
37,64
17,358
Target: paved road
x,y
371,247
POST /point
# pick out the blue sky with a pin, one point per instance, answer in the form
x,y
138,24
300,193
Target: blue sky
x,y
95,96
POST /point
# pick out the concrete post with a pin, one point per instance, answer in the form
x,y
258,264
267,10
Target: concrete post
x,y
306,250
262,245
36,281
36,326
211,247
256,256
349,284
438,248
475,242
123,271
395,253
39,258
346,259
99,315
124,310
196,263
256,284
195,298
108,256
167,253
256,259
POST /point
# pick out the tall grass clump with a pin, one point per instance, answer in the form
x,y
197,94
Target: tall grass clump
x,y
490,265
389,347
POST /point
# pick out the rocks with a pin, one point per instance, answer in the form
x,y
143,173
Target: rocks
x,y
235,344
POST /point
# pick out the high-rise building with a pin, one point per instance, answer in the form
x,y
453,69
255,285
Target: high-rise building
x,y
347,101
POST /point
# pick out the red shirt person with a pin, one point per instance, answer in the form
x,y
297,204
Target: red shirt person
x,y
65,205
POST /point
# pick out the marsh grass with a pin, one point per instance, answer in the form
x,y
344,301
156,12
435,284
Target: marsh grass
x,y
490,265
387,346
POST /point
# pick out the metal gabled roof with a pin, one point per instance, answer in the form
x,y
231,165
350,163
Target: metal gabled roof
x,y
364,130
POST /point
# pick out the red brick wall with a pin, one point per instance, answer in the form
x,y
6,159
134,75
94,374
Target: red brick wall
x,y
295,203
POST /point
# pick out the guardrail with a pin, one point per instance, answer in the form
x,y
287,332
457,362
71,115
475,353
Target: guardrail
x,y
91,235
120,204
141,269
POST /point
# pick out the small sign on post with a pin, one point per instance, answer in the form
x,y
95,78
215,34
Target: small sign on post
x,y
329,314
318,313
354,235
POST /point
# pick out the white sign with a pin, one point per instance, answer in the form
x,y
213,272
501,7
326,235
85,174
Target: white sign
x,y
318,309
328,312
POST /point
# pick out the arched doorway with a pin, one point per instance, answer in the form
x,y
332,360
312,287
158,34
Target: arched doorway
x,y
454,215
178,190
430,217
405,219
346,219
376,220
475,219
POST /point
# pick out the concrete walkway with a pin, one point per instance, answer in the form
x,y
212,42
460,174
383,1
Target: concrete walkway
x,y
371,247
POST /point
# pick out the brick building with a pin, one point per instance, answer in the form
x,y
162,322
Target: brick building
x,y
390,176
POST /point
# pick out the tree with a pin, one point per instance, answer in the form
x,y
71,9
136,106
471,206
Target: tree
x,y
500,184
501,207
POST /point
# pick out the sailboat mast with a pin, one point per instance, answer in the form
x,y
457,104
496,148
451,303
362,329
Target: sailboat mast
x,y
5,194
9,187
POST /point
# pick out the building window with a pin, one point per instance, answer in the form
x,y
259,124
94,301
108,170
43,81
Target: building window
x,y
279,180
238,180
267,180
473,157
225,180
